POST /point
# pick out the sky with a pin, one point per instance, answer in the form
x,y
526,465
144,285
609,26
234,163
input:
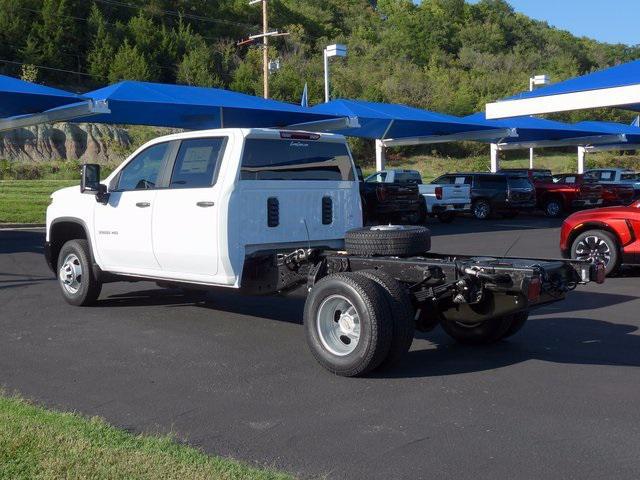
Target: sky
x,y
612,21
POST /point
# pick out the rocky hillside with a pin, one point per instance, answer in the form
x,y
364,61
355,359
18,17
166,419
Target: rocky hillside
x,y
66,141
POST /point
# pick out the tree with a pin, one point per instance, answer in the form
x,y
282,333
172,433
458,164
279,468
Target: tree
x,y
197,68
103,47
129,64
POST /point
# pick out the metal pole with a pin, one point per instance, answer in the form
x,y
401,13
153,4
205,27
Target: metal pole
x,y
381,159
265,52
582,153
531,85
326,76
495,161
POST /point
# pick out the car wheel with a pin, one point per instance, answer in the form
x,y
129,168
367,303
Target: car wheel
x,y
553,208
597,245
347,324
78,283
481,333
402,314
518,320
395,240
481,209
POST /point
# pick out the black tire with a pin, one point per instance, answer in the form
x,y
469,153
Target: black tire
x,y
79,285
481,209
518,321
393,240
553,208
482,333
371,304
446,217
402,313
602,242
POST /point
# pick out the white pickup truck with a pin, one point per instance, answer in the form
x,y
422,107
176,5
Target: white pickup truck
x,y
268,211
443,201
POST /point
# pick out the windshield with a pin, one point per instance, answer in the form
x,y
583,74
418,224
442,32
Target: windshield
x,y
269,159
519,182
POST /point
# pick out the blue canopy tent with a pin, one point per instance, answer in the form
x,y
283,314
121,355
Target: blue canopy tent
x,y
396,125
617,86
181,106
18,97
538,133
630,132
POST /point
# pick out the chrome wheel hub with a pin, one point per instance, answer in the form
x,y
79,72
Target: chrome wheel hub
x,y
338,325
70,274
593,248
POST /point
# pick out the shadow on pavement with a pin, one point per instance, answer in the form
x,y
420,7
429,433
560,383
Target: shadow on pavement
x,y
21,241
577,341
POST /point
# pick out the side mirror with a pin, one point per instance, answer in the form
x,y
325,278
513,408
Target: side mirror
x,y
90,178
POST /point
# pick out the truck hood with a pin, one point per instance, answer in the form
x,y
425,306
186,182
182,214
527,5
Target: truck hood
x,y
66,192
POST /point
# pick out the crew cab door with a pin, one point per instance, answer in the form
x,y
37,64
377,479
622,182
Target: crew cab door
x,y
185,214
122,227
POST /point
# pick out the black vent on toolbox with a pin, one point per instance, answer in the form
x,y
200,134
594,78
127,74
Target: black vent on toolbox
x,y
273,212
327,210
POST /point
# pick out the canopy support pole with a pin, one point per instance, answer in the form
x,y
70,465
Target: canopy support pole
x,y
380,155
582,154
60,114
495,160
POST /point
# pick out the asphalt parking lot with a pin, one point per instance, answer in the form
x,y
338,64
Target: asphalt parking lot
x,y
233,376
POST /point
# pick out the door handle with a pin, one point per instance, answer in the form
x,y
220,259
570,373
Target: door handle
x,y
205,204
143,204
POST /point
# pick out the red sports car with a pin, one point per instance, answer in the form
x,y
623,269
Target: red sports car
x,y
610,234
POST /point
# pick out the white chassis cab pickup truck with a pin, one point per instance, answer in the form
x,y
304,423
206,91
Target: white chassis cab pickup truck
x,y
267,211
443,201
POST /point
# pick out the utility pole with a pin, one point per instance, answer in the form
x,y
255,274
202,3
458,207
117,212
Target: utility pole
x,y
265,43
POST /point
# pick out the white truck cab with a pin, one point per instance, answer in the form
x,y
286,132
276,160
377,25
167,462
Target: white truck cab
x,y
191,207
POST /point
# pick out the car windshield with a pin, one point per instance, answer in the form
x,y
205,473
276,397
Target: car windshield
x,y
519,182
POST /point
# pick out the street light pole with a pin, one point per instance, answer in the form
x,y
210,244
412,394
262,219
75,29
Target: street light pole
x,y
265,49
533,82
336,50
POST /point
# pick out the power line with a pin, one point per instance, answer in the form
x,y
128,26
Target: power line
x,y
49,68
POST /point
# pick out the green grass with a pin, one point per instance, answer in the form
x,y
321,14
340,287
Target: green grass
x,y
25,201
44,444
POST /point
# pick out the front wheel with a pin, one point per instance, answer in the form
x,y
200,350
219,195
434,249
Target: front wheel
x,y
78,283
481,209
347,324
597,246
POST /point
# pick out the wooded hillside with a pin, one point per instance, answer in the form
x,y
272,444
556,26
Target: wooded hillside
x,y
444,55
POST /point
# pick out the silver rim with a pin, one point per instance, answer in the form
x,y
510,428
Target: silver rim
x,y
593,248
71,274
553,209
338,325
482,210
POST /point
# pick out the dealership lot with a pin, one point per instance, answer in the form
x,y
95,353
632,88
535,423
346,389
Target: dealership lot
x,y
233,375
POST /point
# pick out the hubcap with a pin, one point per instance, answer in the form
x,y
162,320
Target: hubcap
x,y
338,325
71,274
593,248
553,209
482,210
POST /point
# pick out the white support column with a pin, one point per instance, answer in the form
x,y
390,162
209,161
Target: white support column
x,y
380,156
495,161
582,154
531,158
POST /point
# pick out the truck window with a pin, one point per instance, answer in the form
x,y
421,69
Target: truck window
x,y
607,175
543,176
570,180
196,162
268,159
379,177
491,181
629,176
461,180
519,182
443,180
408,177
142,172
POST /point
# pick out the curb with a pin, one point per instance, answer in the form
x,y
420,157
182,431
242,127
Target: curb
x,y
12,226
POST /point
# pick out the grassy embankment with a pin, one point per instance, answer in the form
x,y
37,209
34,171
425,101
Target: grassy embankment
x,y
25,188
40,443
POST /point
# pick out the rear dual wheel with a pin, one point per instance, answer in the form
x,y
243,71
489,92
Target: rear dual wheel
x,y
485,332
357,322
